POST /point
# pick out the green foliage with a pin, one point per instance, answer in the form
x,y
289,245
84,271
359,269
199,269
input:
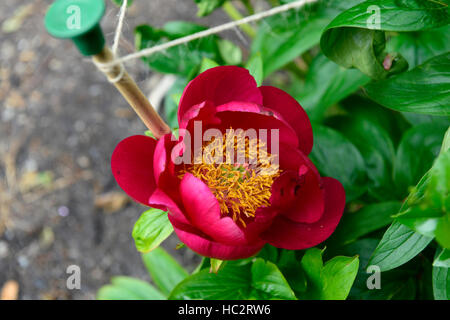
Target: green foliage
x,y
256,68
152,228
347,165
327,83
256,280
330,281
355,225
427,208
425,89
181,60
281,39
120,2
127,288
441,275
206,7
415,155
398,245
164,269
356,38
377,93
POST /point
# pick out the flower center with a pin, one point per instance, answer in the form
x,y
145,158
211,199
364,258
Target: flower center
x,y
239,171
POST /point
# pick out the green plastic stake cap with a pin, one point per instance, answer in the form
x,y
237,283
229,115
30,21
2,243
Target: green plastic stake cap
x,y
78,20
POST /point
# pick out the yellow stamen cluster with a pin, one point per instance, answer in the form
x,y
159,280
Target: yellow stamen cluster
x,y
239,171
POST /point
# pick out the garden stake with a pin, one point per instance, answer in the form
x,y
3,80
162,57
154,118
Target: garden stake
x,y
79,20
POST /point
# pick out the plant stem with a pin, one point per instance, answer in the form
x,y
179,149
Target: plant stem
x,y
274,3
234,14
248,6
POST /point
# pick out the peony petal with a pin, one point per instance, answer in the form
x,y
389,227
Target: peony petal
x,y
220,85
209,248
203,211
309,204
286,106
132,167
160,199
257,121
287,234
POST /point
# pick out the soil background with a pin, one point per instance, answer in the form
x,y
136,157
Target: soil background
x,y
59,123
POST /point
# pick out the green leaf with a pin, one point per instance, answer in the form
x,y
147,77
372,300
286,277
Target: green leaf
x,y
425,89
366,220
207,64
327,83
356,37
416,152
230,52
418,47
442,258
128,288
231,283
120,2
255,67
216,264
376,148
282,38
427,208
268,282
164,269
398,245
335,156
257,280
330,281
395,284
182,59
206,7
441,277
172,100
151,229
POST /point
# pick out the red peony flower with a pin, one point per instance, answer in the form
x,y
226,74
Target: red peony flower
x,y
220,206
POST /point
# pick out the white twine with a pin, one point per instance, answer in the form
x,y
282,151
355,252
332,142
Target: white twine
x,y
105,67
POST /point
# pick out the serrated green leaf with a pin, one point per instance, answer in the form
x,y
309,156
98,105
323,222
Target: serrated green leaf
x,y
164,270
151,229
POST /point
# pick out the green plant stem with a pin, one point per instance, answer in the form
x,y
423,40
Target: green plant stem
x,y
248,6
234,14
274,3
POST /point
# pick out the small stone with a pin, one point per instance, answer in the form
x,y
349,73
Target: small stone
x,y
83,162
23,261
4,250
63,211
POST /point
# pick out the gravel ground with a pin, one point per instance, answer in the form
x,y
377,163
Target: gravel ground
x,y
59,123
